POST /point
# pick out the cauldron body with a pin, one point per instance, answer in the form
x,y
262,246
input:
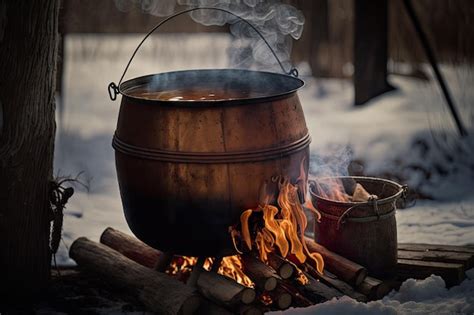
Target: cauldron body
x,y
187,169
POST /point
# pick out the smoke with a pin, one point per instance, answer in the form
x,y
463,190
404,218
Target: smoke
x,y
279,23
335,161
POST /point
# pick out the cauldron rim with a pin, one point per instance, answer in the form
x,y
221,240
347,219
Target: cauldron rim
x,y
293,83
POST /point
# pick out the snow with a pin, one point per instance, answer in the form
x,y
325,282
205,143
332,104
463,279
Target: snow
x,y
390,136
428,296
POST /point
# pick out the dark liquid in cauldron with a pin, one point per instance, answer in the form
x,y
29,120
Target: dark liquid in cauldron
x,y
200,94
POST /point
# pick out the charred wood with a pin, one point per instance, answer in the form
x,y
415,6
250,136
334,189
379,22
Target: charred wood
x,y
343,268
264,277
223,290
283,267
332,280
317,291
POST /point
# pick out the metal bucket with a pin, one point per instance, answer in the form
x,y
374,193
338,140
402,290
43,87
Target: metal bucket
x,y
365,232
187,169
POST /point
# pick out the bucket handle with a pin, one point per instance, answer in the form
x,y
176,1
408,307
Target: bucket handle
x,y
114,89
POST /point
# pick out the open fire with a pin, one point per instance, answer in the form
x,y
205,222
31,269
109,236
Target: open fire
x,y
266,230
277,266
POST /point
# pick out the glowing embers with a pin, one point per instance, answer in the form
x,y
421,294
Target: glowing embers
x,y
278,229
230,266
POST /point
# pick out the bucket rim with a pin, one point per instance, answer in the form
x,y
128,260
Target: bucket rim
x,y
398,195
126,86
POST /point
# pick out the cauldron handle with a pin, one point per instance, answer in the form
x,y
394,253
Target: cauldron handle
x,y
114,89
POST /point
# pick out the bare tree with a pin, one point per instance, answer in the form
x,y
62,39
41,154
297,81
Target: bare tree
x,y
28,42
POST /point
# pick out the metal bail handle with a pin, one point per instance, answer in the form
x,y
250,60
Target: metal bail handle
x,y
114,89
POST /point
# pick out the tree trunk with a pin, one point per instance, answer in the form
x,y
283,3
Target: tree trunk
x,y
370,50
28,39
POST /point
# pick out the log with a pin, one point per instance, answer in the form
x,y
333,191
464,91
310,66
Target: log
x,y
264,277
433,247
283,267
318,292
466,259
130,247
297,297
453,274
209,308
332,280
343,268
223,290
373,288
157,291
281,297
163,261
213,286
250,310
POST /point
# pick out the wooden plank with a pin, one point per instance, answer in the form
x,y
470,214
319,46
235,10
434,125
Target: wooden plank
x,y
452,273
466,259
435,247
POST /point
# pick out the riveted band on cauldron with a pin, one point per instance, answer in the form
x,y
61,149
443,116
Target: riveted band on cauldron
x,y
211,157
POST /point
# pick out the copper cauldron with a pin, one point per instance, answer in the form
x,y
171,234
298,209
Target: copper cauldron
x,y
187,169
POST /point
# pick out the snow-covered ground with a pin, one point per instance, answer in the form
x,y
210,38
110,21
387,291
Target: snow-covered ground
x,y
393,136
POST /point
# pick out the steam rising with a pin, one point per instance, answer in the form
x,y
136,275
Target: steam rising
x,y
279,24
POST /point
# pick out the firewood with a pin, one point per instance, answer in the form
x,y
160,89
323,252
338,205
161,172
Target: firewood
x,y
249,310
318,292
343,268
130,247
223,290
373,288
332,280
163,261
296,295
282,299
209,308
466,259
264,277
283,267
159,292
452,274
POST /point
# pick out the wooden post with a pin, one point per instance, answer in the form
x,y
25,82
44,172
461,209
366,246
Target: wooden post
x,y
28,41
370,49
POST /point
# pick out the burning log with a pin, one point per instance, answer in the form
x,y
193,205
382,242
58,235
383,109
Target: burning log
x,y
158,291
343,268
283,267
331,279
373,288
264,277
223,290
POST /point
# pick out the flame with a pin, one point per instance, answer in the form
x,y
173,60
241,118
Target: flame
x,y
333,189
267,229
281,229
231,266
